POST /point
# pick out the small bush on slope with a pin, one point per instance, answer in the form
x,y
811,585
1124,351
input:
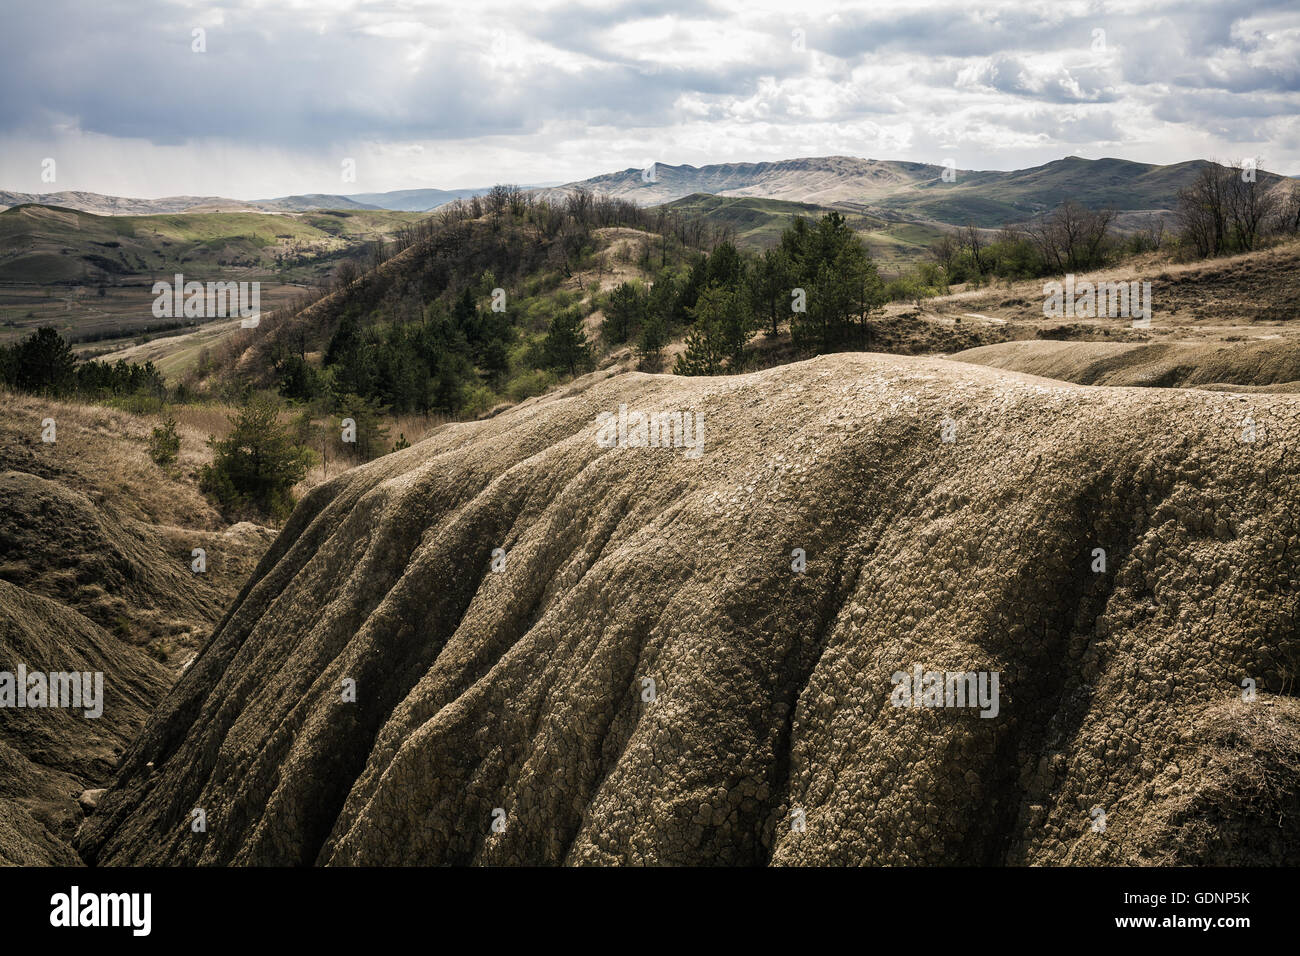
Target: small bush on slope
x,y
256,466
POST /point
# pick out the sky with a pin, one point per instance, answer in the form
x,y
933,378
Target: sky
x,y
253,99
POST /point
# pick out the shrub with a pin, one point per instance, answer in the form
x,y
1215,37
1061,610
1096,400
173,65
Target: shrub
x,y
165,443
256,466
529,383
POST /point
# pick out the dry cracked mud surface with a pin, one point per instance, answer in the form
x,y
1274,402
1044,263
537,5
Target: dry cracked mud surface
x,y
524,690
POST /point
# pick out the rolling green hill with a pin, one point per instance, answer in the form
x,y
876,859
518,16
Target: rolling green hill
x,y
915,191
90,276
758,224
49,244
994,199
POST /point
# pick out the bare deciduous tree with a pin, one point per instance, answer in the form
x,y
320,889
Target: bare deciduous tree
x,y
946,250
1203,211
975,245
498,198
1072,237
579,205
346,273
1250,205
1286,217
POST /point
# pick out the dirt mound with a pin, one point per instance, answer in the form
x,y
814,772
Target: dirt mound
x,y
95,577
1261,286
649,677
55,542
24,842
1259,364
50,754
92,522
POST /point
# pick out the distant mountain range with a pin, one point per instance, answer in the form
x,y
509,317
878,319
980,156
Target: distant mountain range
x,y
821,180
416,200
102,205
888,189
915,192
399,200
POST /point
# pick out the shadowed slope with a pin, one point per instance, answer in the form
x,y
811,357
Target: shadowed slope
x,y
95,576
525,689
49,754
1268,364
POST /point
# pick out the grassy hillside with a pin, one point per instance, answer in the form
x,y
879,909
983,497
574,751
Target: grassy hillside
x,y
917,191
992,199
758,223
90,276
96,543
48,244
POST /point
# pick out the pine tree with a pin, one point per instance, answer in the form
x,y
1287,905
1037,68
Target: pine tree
x,y
770,287
654,336
256,465
44,361
723,325
566,345
624,313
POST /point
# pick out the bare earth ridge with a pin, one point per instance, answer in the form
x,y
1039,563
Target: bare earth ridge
x,y
524,690
95,576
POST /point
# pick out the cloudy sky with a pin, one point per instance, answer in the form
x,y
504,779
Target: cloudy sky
x,y
446,94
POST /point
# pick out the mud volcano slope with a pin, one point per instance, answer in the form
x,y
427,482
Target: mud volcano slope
x,y
525,689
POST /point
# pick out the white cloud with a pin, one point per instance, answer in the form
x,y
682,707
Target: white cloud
x,y
457,94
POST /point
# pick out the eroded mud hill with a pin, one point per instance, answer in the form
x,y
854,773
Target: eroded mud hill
x,y
524,689
1267,365
95,577
48,755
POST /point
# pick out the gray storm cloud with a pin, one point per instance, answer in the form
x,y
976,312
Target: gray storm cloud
x,y
679,80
